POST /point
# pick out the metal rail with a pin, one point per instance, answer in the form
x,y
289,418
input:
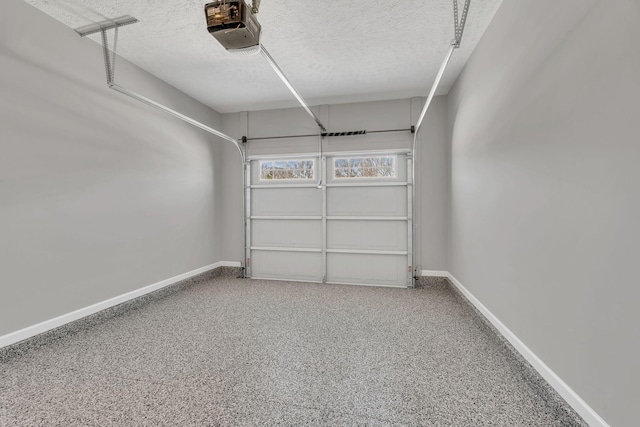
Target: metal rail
x,y
434,87
288,84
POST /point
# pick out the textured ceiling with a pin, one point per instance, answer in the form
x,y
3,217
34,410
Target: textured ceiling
x,y
331,51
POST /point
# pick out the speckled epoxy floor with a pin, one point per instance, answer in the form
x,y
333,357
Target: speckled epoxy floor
x,y
228,351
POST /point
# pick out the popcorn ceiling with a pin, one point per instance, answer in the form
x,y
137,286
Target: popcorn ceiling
x,y
333,52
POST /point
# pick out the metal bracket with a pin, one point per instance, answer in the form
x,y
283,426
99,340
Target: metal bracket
x,y
255,8
455,43
460,24
109,24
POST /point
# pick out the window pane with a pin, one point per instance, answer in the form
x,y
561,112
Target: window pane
x,y
286,169
365,167
370,162
386,172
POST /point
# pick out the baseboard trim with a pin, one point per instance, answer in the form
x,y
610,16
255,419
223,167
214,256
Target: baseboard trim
x,y
434,273
48,325
570,396
227,264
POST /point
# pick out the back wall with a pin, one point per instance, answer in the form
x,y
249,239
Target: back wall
x,y
431,164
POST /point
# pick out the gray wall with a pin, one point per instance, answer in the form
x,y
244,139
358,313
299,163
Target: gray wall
x,y
432,196
545,200
99,195
432,169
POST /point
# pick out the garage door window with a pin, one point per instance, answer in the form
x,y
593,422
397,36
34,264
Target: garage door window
x,y
302,169
364,167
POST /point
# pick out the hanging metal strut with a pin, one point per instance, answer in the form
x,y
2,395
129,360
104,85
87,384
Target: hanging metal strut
x,y
289,86
455,43
109,64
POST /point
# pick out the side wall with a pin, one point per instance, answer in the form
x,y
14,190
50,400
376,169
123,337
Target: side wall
x,y
99,194
544,189
431,170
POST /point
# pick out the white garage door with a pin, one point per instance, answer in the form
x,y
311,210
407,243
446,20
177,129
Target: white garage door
x,y
352,229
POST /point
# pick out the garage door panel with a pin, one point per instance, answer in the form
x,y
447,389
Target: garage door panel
x,y
367,235
305,266
289,234
364,201
286,201
389,270
359,234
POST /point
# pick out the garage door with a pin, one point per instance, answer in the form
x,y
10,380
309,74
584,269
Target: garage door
x,y
340,218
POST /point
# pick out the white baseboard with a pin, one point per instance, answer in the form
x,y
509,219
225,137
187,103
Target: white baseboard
x,y
45,326
434,273
570,396
227,264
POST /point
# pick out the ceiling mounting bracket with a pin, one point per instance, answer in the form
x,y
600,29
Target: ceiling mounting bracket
x,y
109,24
459,24
255,8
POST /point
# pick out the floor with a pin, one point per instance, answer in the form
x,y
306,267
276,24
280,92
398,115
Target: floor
x,y
228,351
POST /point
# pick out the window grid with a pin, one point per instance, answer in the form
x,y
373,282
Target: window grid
x,y
291,170
364,167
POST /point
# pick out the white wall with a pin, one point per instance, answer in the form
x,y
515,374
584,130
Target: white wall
x,y
545,177
99,195
432,164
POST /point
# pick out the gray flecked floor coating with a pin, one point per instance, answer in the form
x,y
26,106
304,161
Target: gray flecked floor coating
x,y
228,351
